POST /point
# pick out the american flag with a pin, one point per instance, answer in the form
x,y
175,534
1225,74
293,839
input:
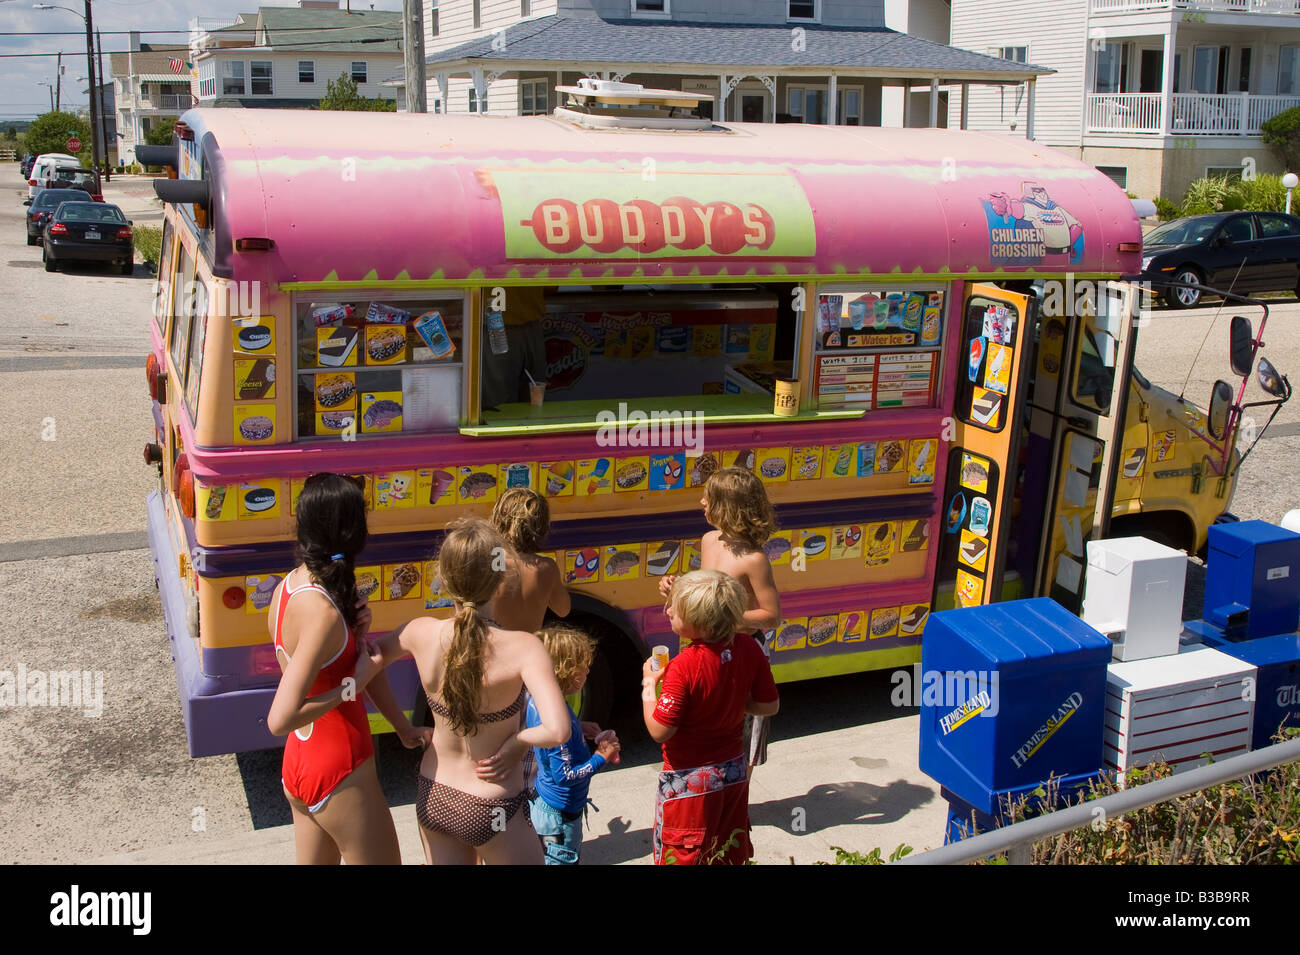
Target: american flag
x,y
176,65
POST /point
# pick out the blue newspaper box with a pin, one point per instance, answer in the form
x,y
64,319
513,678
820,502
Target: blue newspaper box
x,y
1277,685
1252,579
1012,694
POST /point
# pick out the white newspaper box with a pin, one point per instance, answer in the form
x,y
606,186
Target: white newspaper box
x,y
1134,595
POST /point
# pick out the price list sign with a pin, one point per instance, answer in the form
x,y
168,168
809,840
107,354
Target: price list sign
x,y
845,381
904,380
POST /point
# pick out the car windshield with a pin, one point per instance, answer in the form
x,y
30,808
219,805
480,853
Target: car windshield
x,y
52,197
90,212
1182,231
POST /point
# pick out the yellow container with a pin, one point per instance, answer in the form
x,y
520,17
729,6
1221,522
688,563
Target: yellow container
x,y
787,398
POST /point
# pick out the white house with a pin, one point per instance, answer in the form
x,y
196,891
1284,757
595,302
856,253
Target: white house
x,y
283,57
1154,92
822,61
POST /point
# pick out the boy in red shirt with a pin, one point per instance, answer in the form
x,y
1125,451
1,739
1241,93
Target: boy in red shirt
x,y
702,806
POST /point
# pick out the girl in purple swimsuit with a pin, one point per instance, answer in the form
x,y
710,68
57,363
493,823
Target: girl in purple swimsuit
x,y
471,785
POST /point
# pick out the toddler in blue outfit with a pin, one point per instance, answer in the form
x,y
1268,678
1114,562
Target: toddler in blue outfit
x,y
564,772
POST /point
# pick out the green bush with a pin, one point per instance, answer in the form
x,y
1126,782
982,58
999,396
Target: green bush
x,y
1166,210
1206,195
1263,193
1283,131
148,243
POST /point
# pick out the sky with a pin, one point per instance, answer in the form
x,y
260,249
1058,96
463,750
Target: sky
x,y
22,96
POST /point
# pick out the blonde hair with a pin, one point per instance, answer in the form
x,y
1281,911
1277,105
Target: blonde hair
x,y
571,650
710,601
739,508
523,517
472,564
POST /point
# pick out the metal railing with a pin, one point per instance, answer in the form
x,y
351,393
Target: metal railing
x,y
1193,114
1017,840
1203,6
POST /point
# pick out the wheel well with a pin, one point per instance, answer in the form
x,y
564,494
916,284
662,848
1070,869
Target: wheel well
x,y
1171,528
618,641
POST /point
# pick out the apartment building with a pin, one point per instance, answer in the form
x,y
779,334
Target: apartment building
x,y
284,57
1154,92
818,61
146,91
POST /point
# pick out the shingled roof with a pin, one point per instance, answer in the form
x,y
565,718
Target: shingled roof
x,y
574,41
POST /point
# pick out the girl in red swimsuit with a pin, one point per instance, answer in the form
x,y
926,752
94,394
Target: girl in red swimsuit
x,y
319,627
475,672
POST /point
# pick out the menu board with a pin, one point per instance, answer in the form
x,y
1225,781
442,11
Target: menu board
x,y
879,318
867,382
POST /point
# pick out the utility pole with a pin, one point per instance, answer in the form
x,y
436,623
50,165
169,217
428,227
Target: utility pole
x,y
90,74
103,124
58,84
413,55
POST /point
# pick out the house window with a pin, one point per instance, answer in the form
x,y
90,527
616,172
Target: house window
x,y
1116,174
1288,69
359,72
532,97
433,20
1110,69
849,112
1210,69
306,71
650,6
478,14
806,104
232,78
1223,172
802,10
473,100
261,75
1016,54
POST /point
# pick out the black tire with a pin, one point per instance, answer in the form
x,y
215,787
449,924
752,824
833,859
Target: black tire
x,y
1185,297
33,240
128,268
50,264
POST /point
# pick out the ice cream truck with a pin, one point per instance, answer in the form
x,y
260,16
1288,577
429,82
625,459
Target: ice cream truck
x,y
849,312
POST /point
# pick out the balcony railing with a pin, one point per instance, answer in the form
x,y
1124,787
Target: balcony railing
x,y
1193,114
1201,6
164,101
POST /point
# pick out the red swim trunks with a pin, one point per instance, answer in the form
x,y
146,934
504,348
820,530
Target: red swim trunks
x,y
702,816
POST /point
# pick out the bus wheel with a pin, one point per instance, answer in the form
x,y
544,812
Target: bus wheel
x,y
1172,530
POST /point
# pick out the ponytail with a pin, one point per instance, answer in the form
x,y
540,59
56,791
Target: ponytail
x,y
462,680
331,533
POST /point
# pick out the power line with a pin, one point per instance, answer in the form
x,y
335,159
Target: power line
x,y
231,49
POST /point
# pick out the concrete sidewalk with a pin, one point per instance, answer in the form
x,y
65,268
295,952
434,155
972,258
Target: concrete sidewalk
x,y
876,797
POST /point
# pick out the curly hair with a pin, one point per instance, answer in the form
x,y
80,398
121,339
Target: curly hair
x,y
739,508
523,517
571,650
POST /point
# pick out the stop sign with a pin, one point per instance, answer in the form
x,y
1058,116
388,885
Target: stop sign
x,y
74,145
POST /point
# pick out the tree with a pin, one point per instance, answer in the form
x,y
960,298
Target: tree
x,y
1283,131
49,134
160,131
341,94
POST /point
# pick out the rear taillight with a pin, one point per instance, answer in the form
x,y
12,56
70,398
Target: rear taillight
x,y
234,597
97,196
183,485
31,182
58,229
124,232
151,375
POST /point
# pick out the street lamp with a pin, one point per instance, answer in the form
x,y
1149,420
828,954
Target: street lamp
x,y
51,86
96,131
1290,180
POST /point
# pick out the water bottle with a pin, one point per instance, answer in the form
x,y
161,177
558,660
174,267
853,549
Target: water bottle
x,y
497,333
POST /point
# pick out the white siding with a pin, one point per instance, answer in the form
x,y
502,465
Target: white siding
x,y
328,67
456,20
1055,31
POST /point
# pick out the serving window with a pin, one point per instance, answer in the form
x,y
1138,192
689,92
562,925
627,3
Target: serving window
x,y
878,347
378,364
707,348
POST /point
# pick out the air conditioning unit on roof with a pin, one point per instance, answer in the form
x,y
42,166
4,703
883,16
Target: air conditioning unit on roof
x,y
605,104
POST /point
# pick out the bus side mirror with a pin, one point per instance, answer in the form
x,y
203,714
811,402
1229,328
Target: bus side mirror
x,y
1273,384
1220,402
1241,346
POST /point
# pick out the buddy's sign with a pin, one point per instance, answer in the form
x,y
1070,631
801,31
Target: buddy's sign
x,y
548,214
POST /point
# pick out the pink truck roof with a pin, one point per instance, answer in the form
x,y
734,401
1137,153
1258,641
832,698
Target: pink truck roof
x,y
370,198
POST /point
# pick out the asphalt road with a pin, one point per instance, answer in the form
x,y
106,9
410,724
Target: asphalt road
x,y
76,581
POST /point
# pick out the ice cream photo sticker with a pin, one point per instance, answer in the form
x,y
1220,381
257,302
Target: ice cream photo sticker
x,y
1031,229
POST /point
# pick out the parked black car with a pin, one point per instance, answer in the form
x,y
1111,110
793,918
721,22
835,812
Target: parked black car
x,y
95,231
1242,252
44,205
26,166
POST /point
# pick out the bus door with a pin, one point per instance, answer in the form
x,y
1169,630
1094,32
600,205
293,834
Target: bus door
x,y
1079,379
992,368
